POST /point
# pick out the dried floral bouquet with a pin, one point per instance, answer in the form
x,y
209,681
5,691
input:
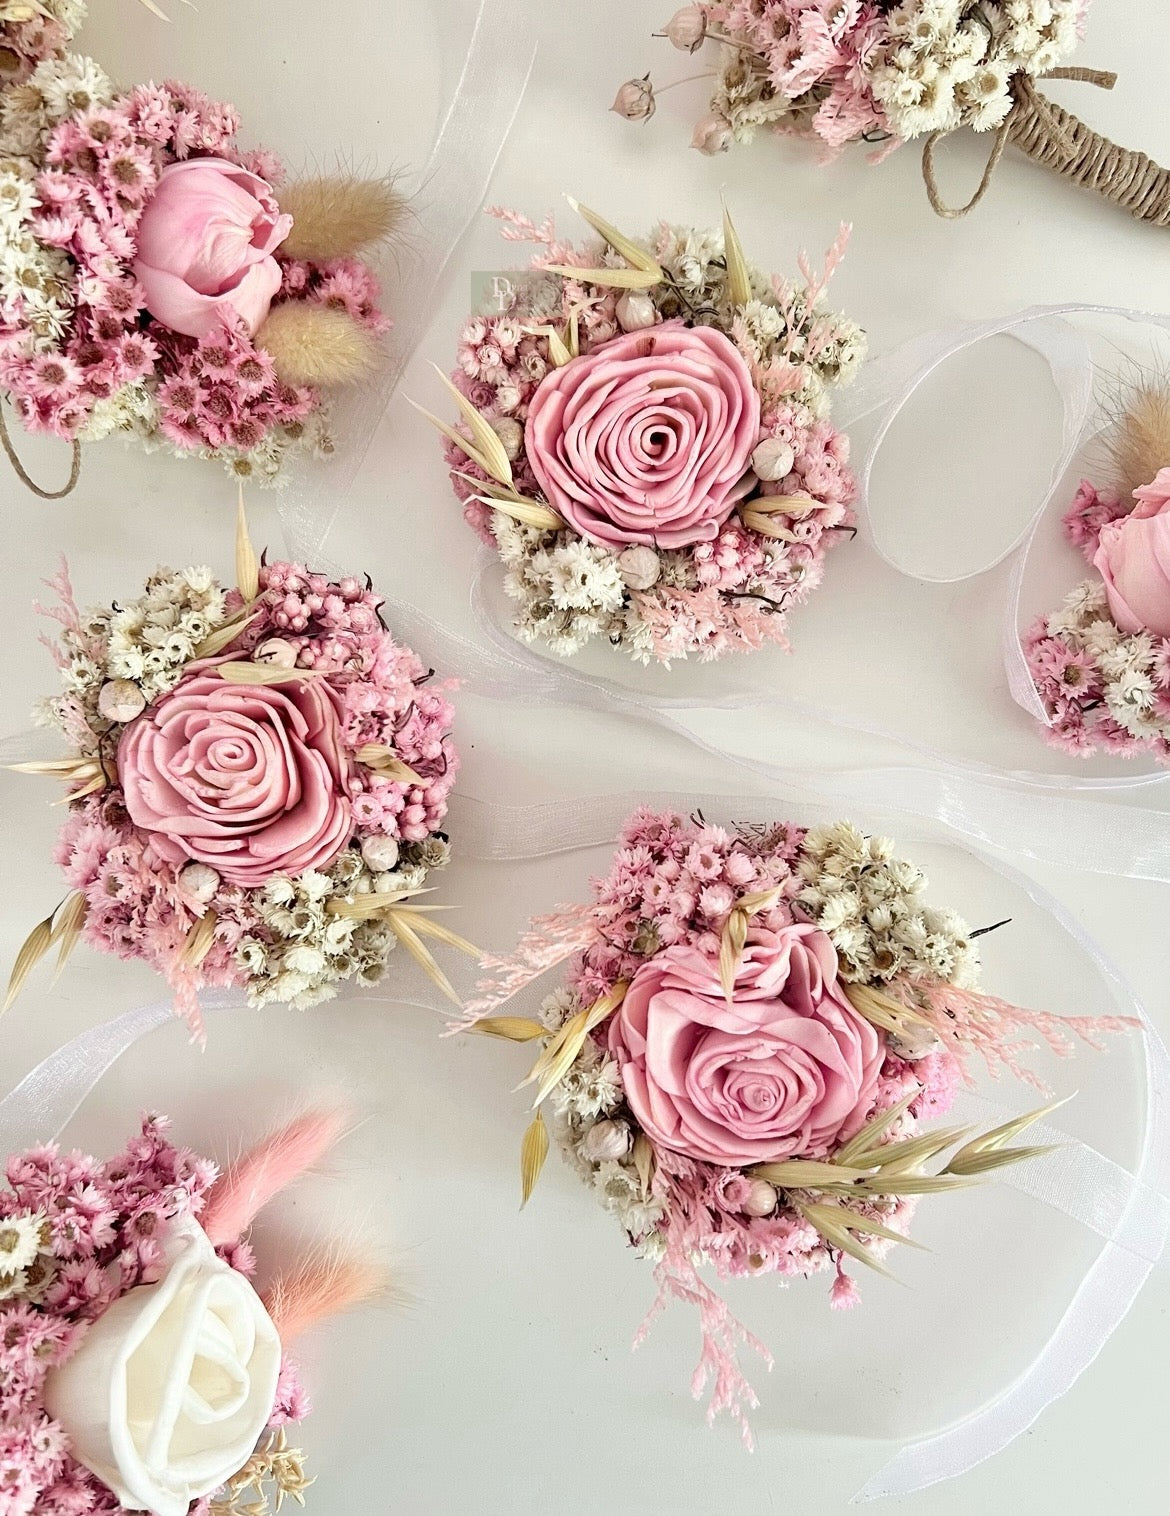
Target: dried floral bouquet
x,y
141,1369
646,442
756,1035
1101,663
256,786
157,281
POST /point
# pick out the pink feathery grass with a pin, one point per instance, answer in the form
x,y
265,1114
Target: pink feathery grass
x,y
249,1184
549,941
321,1285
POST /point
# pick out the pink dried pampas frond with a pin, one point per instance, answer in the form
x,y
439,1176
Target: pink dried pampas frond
x,y
323,1284
248,1185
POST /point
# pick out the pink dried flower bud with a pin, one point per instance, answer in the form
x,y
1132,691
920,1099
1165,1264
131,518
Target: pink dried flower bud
x,y
773,459
760,1200
199,882
510,433
635,100
379,854
639,568
605,1141
278,652
712,135
687,28
635,311
121,700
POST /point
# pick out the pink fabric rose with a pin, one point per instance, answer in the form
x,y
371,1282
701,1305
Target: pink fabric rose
x,y
205,245
789,1069
648,438
1133,558
251,780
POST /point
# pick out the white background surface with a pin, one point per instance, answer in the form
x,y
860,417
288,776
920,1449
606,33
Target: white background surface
x,y
504,1384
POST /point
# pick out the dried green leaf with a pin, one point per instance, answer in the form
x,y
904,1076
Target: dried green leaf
x,y
635,256
32,950
909,1184
873,1131
896,1157
997,1158
533,1152
765,526
852,1222
67,929
807,1174
491,449
452,435
882,1010
512,1028
739,283
428,928
247,564
225,635
643,1156
839,1236
197,943
418,950
609,278
262,673
384,761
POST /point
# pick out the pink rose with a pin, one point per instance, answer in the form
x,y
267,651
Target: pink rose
x,y
648,438
251,780
205,244
789,1069
1133,558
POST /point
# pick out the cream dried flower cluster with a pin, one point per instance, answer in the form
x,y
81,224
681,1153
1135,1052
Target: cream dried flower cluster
x,y
871,905
950,63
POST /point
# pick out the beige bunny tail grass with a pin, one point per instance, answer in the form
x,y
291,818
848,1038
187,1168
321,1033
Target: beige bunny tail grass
x,y
322,1284
315,344
1138,444
335,215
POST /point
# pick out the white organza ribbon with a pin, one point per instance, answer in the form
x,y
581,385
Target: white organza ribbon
x,y
1130,1211
887,384
445,199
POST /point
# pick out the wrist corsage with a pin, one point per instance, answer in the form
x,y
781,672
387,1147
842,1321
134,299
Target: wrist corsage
x,y
257,783
1101,664
746,1063
646,441
887,74
142,1370
158,281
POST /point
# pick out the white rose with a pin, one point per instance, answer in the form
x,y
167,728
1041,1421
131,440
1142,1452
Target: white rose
x,y
170,1390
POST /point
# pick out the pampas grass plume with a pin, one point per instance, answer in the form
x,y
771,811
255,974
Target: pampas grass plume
x,y
1139,442
316,344
336,215
249,1184
323,1284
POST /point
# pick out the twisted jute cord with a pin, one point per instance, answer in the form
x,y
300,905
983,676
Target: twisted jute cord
x,y
1058,140
22,474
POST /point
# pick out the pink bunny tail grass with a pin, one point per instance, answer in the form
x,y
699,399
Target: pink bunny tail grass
x,y
322,1285
722,1335
250,1183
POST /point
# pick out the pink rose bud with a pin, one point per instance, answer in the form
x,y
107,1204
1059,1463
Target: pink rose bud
x,y
1133,558
205,245
120,700
639,567
278,652
712,135
687,28
635,100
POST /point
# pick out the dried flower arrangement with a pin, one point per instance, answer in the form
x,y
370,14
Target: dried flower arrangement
x,y
645,440
756,1032
157,281
257,781
885,73
142,1371
1101,663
